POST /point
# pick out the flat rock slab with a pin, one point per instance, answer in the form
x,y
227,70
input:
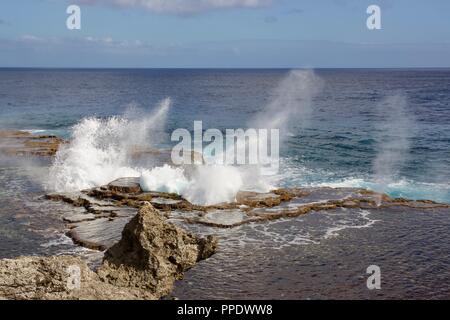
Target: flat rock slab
x,y
227,218
185,215
125,185
96,202
124,212
78,217
166,201
79,199
254,199
101,209
98,234
424,204
315,195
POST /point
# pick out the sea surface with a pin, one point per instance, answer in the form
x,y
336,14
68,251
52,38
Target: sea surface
x,y
386,130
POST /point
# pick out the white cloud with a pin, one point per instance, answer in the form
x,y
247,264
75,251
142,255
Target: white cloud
x,y
32,39
110,42
183,7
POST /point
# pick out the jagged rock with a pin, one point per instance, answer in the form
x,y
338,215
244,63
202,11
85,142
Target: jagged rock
x,y
56,278
153,253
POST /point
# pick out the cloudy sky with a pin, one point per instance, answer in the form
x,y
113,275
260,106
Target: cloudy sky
x,y
224,33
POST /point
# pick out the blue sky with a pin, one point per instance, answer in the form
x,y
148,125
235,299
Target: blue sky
x,y
224,33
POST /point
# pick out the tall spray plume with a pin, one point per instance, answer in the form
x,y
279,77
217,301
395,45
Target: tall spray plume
x,y
99,149
210,184
394,131
291,104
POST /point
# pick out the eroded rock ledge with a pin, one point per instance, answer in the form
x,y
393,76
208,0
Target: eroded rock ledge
x,y
22,143
100,213
144,264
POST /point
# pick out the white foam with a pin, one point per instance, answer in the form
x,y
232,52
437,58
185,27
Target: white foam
x,y
98,152
207,185
312,228
343,225
212,184
164,179
60,240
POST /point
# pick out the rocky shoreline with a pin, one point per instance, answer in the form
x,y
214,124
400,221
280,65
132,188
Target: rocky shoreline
x,y
102,212
145,251
144,264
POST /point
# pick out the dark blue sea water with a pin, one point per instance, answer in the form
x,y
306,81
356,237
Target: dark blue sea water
x,y
335,143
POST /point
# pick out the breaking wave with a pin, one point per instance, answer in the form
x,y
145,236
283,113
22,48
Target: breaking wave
x,y
99,150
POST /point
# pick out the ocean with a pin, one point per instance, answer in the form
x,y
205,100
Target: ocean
x,y
336,144
383,129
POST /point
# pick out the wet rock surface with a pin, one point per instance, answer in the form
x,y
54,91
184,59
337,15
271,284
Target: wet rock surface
x,y
98,234
144,264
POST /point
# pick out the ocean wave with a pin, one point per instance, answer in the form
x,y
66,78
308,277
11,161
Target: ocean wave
x,y
99,151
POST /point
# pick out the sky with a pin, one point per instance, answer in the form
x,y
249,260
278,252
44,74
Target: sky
x,y
225,34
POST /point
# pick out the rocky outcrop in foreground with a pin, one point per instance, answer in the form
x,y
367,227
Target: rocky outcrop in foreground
x,y
153,253
144,264
58,278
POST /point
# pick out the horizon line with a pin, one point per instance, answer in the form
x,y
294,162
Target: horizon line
x,y
221,68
